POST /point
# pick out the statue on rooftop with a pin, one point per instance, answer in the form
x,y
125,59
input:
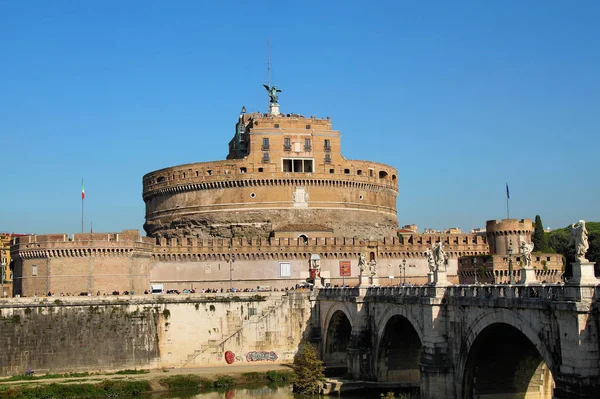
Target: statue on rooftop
x,y
579,237
273,90
526,250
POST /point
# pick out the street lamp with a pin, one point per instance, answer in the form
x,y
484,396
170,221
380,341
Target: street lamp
x,y
231,260
404,269
476,272
511,279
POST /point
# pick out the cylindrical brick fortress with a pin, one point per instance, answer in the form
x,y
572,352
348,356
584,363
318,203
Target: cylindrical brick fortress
x,y
288,172
507,233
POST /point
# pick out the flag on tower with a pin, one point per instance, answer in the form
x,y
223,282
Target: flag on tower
x,y
507,193
82,190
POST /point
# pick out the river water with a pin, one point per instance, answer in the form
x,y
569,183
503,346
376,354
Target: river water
x,y
264,392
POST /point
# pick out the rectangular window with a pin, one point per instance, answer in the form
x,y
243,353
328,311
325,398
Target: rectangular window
x,y
34,270
297,165
287,145
327,145
265,145
327,158
285,269
277,126
307,146
265,158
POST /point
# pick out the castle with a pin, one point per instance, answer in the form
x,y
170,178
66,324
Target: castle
x,y
284,193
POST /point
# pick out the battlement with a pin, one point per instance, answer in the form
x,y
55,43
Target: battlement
x,y
413,246
81,244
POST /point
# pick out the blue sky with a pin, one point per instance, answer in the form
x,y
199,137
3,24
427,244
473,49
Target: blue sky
x,y
460,97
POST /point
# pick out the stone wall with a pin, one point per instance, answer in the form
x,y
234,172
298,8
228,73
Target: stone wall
x,y
91,334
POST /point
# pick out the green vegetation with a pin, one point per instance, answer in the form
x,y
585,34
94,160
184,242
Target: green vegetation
x,y
308,371
558,241
129,371
106,389
539,237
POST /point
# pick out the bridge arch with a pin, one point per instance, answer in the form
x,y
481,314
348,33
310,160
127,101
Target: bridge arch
x,y
503,340
337,330
398,346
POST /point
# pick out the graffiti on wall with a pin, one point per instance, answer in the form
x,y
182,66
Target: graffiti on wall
x,y
261,356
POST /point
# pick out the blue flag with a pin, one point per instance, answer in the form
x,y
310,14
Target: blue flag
x,y
507,193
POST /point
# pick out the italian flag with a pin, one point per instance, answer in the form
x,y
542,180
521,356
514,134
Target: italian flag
x,y
82,190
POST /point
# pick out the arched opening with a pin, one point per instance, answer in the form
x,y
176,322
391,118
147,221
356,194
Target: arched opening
x,y
303,239
399,352
383,174
335,355
503,362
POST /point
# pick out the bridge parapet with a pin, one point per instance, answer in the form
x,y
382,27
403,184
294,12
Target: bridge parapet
x,y
544,291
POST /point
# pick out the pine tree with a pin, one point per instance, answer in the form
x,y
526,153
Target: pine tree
x,y
308,370
539,237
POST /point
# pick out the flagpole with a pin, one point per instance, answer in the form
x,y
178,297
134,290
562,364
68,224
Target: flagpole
x,y
82,198
507,198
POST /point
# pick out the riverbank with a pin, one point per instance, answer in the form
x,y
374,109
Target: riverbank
x,y
128,383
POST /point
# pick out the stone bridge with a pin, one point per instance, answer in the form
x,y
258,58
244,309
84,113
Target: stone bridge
x,y
466,341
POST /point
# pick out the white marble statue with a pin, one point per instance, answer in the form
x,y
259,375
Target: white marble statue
x,y
430,260
440,257
362,264
373,268
526,250
579,237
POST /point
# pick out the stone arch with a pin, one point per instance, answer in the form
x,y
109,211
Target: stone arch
x,y
334,311
499,317
397,322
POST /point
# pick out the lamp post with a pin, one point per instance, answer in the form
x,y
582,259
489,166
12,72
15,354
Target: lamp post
x,y
231,260
476,271
404,270
511,279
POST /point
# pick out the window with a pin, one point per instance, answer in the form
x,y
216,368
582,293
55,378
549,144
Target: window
x,y
34,270
382,174
346,171
307,146
260,170
265,144
370,172
307,127
297,165
277,126
331,170
243,170
265,158
287,145
285,269
359,172
327,145
327,158
209,172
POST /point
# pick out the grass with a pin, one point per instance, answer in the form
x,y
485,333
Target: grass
x,y
129,371
23,377
110,389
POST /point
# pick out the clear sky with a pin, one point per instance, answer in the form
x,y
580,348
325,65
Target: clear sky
x,y
459,96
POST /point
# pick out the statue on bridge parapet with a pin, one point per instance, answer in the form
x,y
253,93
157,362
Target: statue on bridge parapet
x,y
440,256
526,250
362,264
430,260
579,237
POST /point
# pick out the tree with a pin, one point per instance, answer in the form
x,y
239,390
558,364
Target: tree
x,y
308,370
558,240
539,238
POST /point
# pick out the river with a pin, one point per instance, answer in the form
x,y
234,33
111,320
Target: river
x,y
265,392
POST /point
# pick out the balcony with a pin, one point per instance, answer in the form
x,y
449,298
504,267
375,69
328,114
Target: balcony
x,y
327,148
287,147
307,148
265,147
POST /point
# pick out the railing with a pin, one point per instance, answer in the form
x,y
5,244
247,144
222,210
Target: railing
x,y
544,291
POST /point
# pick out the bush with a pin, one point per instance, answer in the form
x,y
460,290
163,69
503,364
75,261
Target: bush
x,y
224,381
308,371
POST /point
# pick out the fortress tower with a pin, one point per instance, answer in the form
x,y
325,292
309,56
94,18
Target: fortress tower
x,y
507,233
282,172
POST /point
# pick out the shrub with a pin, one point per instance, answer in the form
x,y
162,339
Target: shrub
x,y
308,371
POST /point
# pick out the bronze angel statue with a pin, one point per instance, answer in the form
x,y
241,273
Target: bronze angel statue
x,y
273,90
